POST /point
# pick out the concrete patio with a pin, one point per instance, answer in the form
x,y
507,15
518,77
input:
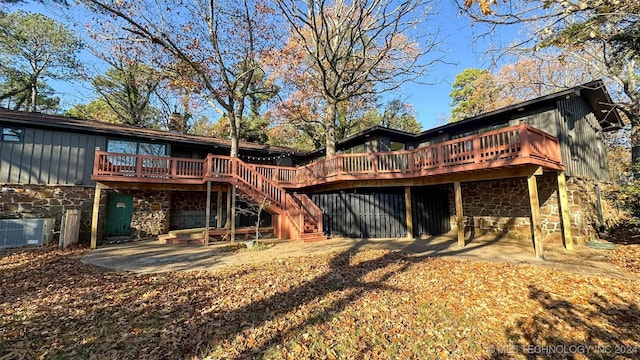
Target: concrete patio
x,y
149,256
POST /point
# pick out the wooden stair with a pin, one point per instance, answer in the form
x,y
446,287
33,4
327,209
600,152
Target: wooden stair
x,y
196,235
298,209
182,237
301,219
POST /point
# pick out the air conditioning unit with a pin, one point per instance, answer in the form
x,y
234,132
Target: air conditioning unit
x,y
26,232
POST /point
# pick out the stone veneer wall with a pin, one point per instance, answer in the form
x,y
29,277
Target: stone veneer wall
x,y
151,212
151,209
188,209
502,207
42,201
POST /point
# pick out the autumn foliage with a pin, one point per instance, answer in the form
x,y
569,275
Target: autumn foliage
x,y
372,304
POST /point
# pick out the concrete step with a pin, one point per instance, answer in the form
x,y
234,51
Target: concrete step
x,y
178,241
194,233
314,236
314,239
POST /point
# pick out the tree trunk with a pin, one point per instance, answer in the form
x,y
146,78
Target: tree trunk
x,y
635,148
330,128
234,145
234,133
235,122
34,94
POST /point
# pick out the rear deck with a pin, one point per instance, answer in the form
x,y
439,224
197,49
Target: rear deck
x,y
517,151
509,147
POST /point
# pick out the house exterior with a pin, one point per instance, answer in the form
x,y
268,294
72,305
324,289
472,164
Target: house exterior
x,y
522,171
46,165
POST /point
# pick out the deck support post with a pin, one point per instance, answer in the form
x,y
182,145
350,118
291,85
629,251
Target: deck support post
x,y
227,224
95,215
409,213
207,215
232,217
563,209
457,189
219,210
536,229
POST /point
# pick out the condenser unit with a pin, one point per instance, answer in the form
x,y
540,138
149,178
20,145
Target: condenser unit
x,y
25,232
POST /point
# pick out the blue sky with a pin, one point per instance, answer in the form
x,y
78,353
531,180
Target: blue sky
x,y
429,98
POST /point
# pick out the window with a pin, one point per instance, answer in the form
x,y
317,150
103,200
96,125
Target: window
x,y
134,147
396,146
464,134
11,134
356,149
152,149
122,147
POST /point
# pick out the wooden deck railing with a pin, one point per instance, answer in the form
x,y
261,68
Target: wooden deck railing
x,y
514,145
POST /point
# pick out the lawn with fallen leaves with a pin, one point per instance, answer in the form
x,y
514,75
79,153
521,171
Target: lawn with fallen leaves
x,y
366,305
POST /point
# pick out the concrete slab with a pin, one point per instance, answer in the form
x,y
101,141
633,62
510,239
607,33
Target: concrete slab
x,y
150,256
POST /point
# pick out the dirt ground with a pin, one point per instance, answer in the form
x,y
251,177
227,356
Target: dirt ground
x,y
149,256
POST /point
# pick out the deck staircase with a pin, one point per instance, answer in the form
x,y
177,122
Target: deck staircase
x,y
303,218
300,218
312,219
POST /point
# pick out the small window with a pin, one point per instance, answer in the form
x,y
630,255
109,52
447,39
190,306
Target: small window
x,y
11,134
396,146
464,134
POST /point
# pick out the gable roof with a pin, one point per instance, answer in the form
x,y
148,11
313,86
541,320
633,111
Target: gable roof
x,y
594,92
99,127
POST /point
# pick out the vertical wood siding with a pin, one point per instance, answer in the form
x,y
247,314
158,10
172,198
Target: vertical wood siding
x,y
581,140
49,157
545,121
374,214
363,215
430,208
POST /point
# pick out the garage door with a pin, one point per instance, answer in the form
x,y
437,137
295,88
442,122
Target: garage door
x,y
363,213
430,209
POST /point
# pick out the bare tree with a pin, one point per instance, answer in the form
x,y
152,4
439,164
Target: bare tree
x,y
252,207
603,35
356,49
209,47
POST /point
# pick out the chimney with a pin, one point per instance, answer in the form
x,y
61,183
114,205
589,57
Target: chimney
x,y
176,122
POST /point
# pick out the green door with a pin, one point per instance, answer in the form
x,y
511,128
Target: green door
x,y
119,215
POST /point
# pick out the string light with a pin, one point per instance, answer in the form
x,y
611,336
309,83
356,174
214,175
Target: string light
x,y
266,158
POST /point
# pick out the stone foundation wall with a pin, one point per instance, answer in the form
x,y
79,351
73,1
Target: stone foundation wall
x,y
502,207
151,212
151,209
188,209
42,201
499,207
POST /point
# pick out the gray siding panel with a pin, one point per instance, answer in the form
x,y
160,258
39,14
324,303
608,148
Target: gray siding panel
x,y
5,163
36,160
581,140
45,160
64,165
54,160
16,157
49,157
545,121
